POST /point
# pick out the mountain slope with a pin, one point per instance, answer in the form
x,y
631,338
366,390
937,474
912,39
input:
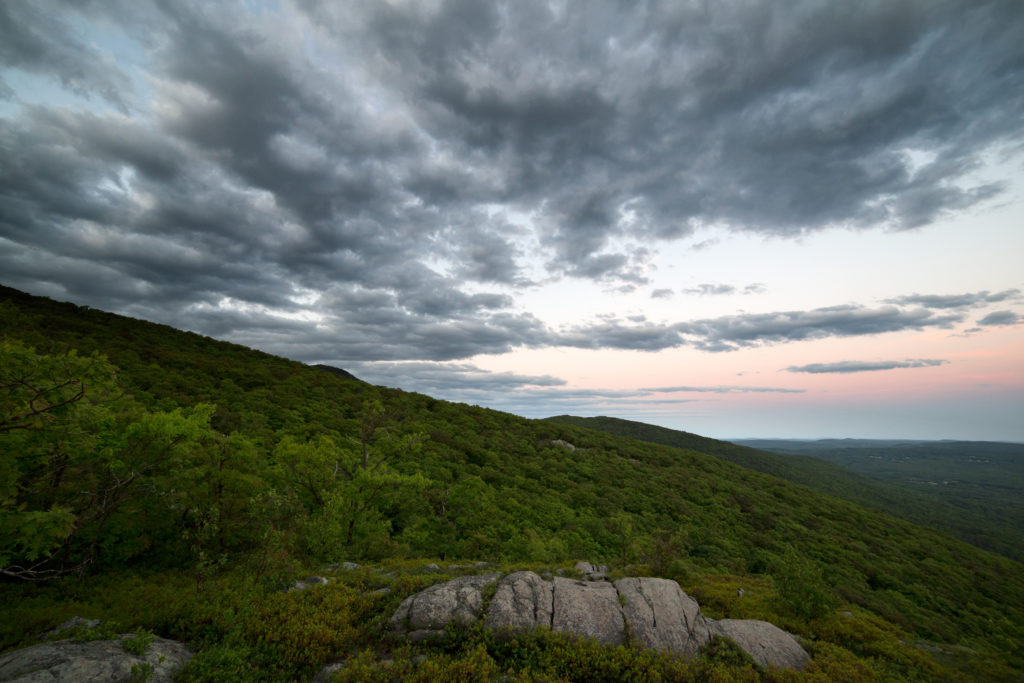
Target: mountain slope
x,y
985,511
301,465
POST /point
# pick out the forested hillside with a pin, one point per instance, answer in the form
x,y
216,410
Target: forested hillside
x,y
198,477
972,490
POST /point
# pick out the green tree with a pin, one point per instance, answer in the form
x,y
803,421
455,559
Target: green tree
x,y
801,586
74,450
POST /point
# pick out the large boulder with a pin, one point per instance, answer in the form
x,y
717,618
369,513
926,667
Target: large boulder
x,y
661,616
522,600
425,614
97,660
588,608
766,643
656,612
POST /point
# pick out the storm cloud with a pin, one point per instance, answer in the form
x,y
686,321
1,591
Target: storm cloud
x,y
351,182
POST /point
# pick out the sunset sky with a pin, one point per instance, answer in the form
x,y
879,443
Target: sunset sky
x,y
741,219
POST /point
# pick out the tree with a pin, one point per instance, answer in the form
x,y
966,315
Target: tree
x,y
73,451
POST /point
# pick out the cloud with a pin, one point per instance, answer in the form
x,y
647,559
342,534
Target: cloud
x,y
732,332
966,300
374,181
661,294
726,389
443,378
708,289
36,39
534,395
1001,318
850,366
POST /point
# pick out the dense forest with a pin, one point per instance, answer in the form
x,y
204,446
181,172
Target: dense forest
x,y
973,490
174,484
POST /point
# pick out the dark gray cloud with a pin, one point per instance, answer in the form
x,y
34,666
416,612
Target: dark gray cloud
x,y
36,39
345,181
1001,318
850,366
965,300
731,332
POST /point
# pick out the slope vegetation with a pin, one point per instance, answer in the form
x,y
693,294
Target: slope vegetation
x,y
186,461
972,490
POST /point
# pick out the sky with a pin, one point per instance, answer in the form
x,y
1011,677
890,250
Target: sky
x,y
741,219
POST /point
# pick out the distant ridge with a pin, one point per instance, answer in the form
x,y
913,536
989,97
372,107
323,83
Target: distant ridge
x,y
338,371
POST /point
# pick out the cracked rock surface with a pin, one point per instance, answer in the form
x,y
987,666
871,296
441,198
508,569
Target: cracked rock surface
x,y
654,611
425,614
661,616
588,608
522,600
97,660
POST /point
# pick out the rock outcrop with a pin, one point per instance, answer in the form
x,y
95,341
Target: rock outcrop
x,y
425,614
97,660
766,643
661,616
522,600
588,608
655,612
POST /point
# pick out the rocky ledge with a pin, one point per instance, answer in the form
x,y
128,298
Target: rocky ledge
x,y
96,660
655,612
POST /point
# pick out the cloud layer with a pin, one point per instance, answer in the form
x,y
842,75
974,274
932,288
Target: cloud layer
x,y
349,182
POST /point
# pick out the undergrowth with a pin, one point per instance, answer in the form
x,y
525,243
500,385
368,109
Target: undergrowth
x,y
242,629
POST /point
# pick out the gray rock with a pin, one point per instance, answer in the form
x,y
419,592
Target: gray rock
x,y
327,671
522,600
656,612
70,625
661,616
97,660
308,582
432,567
425,614
592,572
564,444
344,566
589,609
768,644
